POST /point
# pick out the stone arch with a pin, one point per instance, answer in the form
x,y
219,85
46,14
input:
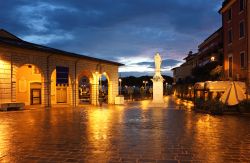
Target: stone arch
x,y
61,93
84,91
29,80
109,87
112,73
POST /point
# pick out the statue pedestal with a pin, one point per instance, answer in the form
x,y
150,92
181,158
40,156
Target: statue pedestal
x,y
158,90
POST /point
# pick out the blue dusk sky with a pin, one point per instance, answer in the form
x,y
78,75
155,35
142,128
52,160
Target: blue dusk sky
x,y
126,31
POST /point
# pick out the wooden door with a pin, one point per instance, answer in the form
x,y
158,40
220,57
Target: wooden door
x,y
61,95
36,96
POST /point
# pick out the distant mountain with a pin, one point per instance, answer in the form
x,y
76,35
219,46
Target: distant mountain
x,y
138,81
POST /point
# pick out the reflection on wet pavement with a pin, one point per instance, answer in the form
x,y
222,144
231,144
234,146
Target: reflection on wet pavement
x,y
130,133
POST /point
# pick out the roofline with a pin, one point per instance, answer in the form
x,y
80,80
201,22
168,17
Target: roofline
x,y
174,68
11,34
220,29
190,56
57,51
225,5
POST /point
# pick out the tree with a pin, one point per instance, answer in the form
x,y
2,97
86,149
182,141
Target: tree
x,y
210,71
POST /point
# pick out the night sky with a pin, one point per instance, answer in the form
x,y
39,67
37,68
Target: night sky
x,y
126,31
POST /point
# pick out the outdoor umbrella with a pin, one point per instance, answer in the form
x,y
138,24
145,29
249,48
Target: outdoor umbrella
x,y
233,95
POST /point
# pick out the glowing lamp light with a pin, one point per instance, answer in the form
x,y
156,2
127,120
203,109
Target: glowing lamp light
x,y
145,82
120,89
212,59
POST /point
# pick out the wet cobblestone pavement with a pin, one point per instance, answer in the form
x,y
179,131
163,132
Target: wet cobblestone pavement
x,y
131,133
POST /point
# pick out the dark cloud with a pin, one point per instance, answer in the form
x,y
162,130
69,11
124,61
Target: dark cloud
x,y
137,74
165,63
112,29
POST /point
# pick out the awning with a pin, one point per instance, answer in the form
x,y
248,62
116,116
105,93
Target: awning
x,y
217,86
234,94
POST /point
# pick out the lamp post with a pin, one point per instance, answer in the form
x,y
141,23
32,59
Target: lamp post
x,y
166,88
145,82
120,83
212,58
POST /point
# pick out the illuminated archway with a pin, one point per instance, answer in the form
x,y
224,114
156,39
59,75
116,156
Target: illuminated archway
x,y
60,86
29,85
84,90
104,88
84,87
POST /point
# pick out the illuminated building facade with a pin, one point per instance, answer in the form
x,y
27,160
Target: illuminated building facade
x,y
38,75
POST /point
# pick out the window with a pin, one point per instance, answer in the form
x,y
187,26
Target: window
x,y
242,5
230,66
242,60
62,74
230,37
242,29
229,14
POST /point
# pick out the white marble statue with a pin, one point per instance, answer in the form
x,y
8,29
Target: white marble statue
x,y
158,62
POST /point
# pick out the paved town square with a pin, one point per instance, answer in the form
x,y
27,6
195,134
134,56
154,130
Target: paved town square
x,y
130,133
128,81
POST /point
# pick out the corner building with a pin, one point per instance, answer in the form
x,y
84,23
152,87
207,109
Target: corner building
x,y
235,19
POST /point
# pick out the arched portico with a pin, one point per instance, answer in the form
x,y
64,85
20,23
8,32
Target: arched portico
x,y
15,54
29,85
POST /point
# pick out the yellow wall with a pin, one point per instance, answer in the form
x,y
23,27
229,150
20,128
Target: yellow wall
x,y
53,87
25,76
5,81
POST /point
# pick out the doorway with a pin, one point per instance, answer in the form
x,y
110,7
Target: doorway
x,y
29,85
35,93
61,94
35,97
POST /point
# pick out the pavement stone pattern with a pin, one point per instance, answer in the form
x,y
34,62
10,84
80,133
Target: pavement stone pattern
x,y
133,133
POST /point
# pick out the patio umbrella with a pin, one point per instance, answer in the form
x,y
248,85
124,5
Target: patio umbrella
x,y
233,95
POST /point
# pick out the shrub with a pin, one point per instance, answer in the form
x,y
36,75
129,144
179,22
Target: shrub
x,y
216,107
244,106
199,103
212,106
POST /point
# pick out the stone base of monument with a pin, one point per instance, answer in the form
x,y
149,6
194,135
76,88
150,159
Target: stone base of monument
x,y
158,90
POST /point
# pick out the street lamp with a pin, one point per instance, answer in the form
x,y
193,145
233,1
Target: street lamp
x,y
166,88
120,90
145,82
212,58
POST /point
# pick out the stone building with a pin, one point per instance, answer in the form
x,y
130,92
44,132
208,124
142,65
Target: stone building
x,y
39,75
184,71
235,21
211,49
